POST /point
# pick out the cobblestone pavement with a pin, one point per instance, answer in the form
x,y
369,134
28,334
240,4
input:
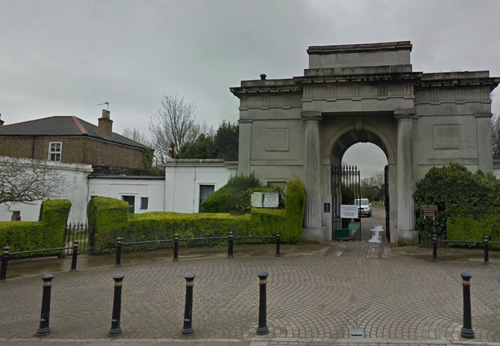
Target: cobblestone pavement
x,y
316,295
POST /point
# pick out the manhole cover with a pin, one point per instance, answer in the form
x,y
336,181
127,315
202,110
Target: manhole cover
x,y
356,333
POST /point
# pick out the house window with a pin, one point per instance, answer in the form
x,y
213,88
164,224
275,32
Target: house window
x,y
144,203
205,191
55,151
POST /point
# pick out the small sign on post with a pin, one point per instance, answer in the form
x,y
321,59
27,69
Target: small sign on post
x,y
430,210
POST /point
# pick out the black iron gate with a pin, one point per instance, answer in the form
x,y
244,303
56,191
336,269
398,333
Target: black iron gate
x,y
76,231
346,187
386,190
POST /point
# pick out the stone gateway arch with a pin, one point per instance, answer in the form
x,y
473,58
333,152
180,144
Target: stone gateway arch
x,y
303,125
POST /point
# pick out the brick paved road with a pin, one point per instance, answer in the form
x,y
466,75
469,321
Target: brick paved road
x,y
315,295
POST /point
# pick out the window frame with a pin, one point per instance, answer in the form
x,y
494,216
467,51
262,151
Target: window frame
x,y
51,152
141,207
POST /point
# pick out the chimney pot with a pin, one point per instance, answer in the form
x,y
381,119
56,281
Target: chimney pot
x,y
263,76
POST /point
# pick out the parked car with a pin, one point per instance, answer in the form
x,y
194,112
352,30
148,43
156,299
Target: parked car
x,y
364,207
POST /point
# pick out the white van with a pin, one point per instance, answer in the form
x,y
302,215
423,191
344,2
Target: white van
x,y
364,206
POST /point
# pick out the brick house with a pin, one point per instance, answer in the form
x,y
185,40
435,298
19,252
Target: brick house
x,y
69,139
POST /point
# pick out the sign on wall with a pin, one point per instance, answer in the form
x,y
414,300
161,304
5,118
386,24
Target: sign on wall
x,y
265,199
430,210
271,199
256,199
348,211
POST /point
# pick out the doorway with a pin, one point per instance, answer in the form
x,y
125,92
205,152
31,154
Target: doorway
x,y
131,203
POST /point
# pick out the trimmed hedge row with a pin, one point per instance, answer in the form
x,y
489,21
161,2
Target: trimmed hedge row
x,y
48,232
109,219
469,228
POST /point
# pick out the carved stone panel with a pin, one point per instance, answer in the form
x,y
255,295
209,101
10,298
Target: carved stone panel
x,y
446,137
278,139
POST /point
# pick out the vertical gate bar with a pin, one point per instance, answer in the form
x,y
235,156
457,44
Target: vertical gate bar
x,y
86,236
72,228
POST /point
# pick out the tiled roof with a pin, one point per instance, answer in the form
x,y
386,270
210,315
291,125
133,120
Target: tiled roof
x,y
62,126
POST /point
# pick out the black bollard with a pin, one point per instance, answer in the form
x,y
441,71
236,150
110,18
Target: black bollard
x,y
434,248
230,243
117,306
74,256
176,248
5,262
188,312
44,328
278,241
467,331
486,255
118,252
262,328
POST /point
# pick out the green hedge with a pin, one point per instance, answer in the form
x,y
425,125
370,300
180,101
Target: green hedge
x,y
106,217
457,192
48,232
468,228
109,219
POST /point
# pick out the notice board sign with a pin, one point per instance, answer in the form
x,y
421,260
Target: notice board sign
x,y
430,210
271,200
348,211
256,199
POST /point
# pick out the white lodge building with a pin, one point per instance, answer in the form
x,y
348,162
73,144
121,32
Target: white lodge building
x,y
302,126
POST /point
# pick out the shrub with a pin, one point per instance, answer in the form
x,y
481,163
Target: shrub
x,y
109,219
457,192
47,233
232,197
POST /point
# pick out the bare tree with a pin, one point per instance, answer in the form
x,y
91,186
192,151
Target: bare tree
x,y
27,181
136,135
495,135
174,126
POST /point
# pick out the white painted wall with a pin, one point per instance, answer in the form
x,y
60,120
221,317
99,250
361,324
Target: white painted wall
x,y
184,177
152,188
496,168
75,189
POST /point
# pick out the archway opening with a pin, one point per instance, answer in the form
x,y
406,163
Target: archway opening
x,y
363,151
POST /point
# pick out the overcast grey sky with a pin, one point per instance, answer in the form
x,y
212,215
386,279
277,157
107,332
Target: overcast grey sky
x,y
63,57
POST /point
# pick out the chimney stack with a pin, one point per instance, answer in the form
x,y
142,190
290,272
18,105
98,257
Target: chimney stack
x,y
1,121
105,126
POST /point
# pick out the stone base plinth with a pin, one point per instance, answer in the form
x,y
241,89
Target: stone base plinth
x,y
407,237
317,235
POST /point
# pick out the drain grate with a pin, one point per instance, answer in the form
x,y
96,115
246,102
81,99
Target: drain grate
x,y
356,333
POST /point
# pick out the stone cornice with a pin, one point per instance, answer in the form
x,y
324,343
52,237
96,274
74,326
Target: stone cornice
x,y
245,121
413,77
357,48
459,79
483,115
265,86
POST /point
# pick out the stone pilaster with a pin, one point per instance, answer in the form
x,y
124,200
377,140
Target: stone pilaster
x,y
405,182
484,147
312,169
244,148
